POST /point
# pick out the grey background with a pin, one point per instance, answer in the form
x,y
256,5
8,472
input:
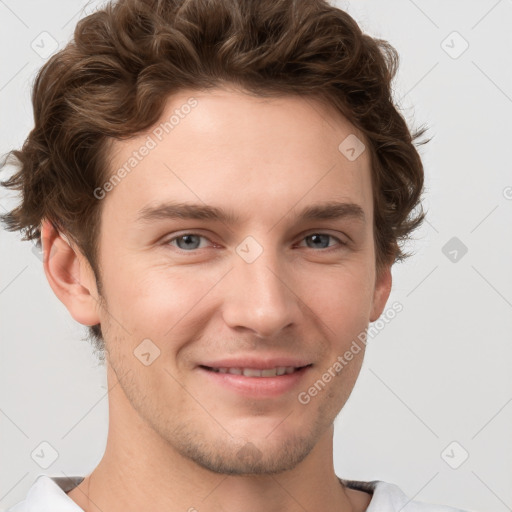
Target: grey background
x,y
438,373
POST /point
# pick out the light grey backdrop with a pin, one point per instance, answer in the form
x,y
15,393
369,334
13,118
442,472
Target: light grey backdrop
x,y
432,411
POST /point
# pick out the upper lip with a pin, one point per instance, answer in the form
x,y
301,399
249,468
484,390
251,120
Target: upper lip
x,y
259,363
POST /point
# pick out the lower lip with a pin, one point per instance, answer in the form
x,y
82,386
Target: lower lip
x,y
257,387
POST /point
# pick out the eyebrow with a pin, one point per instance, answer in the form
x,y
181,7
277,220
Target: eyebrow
x,y
331,210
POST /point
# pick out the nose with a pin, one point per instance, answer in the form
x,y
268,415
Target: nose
x,y
259,296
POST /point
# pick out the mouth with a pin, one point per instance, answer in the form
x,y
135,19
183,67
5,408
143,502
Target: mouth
x,y
262,383
255,372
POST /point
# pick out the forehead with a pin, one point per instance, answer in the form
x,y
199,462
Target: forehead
x,y
225,147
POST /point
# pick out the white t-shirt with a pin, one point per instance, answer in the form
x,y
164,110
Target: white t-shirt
x,y
48,494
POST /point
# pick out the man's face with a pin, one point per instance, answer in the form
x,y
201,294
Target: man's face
x,y
267,289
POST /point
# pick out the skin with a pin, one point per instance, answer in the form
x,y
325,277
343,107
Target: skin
x,y
174,436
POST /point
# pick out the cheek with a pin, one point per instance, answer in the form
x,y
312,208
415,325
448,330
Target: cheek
x,y
341,296
156,301
153,301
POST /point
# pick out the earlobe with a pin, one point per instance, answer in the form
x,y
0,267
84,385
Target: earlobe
x,y
70,276
381,292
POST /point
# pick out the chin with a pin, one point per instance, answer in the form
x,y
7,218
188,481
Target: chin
x,y
245,455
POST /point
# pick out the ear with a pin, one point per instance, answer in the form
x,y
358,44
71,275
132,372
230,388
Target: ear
x,y
69,275
381,292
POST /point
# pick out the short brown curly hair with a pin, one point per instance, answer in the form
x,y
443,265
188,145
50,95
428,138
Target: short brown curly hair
x,y
112,80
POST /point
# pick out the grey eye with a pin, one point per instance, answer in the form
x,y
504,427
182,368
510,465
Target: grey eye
x,y
319,240
186,242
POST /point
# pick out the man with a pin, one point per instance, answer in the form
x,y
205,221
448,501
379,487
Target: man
x,y
264,132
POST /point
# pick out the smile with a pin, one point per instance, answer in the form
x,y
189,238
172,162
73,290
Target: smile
x,y
256,383
255,372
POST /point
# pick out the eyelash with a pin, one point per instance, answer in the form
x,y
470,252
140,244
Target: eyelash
x,y
341,244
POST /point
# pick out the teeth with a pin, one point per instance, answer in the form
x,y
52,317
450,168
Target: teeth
x,y
250,372
253,372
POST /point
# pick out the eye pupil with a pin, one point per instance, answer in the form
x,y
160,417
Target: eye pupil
x,y
187,244
318,238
